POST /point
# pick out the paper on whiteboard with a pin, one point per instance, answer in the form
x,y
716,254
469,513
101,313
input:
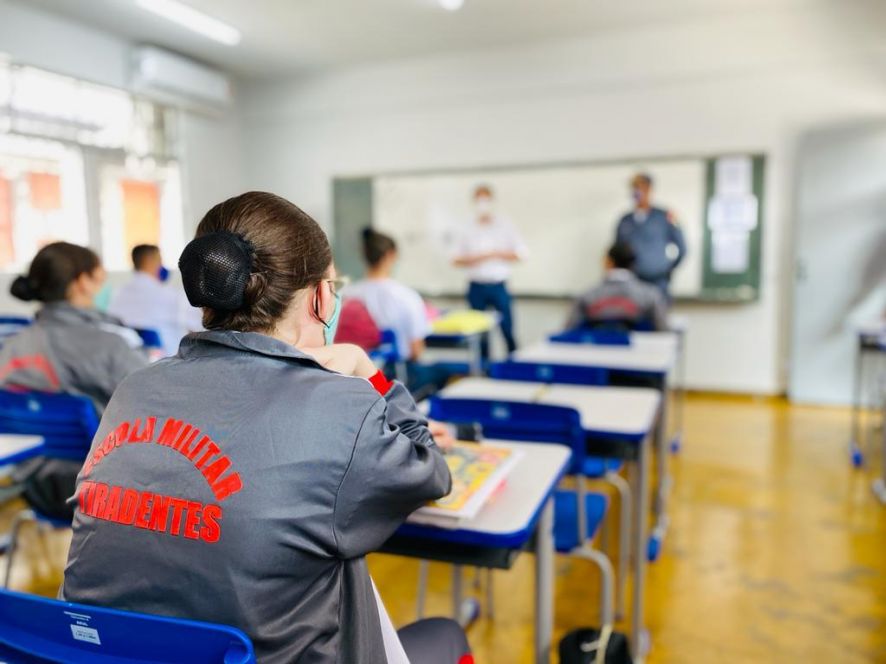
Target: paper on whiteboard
x,y
730,252
733,176
733,213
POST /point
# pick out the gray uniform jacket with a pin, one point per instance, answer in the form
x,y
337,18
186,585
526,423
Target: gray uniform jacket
x,y
72,350
649,239
623,297
240,482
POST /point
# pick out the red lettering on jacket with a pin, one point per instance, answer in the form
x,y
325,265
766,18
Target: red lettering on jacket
x,y
215,470
177,506
192,519
185,440
194,452
150,511
144,507
211,530
212,450
169,432
227,485
37,362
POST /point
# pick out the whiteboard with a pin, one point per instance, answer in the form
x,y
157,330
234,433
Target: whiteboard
x,y
566,214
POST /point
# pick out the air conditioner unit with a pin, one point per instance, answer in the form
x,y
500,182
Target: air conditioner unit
x,y
171,78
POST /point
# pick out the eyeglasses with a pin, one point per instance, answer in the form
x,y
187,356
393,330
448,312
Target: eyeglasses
x,y
335,285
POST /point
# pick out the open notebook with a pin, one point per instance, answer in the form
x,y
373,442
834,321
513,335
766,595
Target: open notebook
x,y
477,471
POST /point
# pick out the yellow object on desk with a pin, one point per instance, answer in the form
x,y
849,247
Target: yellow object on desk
x,y
463,322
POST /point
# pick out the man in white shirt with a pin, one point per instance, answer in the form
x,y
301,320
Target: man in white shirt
x,y
145,302
487,250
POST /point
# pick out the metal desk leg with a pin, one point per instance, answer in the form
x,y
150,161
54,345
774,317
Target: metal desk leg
x,y
475,348
855,441
544,584
680,396
663,481
639,640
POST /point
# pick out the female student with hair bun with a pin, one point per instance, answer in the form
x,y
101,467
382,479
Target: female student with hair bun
x,y
244,480
71,347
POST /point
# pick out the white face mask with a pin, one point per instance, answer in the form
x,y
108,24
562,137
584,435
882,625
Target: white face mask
x,y
484,206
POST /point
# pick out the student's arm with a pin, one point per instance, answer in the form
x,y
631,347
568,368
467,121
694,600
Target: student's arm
x,y
416,348
394,469
675,236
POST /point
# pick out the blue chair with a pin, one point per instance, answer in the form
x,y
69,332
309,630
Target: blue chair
x,y
38,629
536,372
67,424
578,514
150,338
10,325
590,335
387,353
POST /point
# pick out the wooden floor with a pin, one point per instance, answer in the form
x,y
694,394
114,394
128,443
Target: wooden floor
x,y
776,552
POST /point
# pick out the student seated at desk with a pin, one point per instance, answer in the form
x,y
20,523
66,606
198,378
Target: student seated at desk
x,y
71,347
145,302
394,306
244,480
621,297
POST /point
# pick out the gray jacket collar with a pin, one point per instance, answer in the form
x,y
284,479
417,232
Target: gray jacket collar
x,y
200,343
67,314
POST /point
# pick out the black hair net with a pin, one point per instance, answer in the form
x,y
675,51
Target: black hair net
x,y
215,269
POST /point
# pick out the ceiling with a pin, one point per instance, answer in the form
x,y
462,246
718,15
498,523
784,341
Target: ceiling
x,y
291,36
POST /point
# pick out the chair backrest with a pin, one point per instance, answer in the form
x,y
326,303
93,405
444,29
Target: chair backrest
x,y
150,338
10,325
36,627
544,372
593,335
67,422
516,420
387,348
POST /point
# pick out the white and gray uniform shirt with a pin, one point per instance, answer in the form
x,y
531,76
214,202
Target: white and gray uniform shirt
x,y
620,296
72,350
240,482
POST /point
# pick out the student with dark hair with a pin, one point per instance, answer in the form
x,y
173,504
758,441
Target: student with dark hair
x,y
621,297
146,302
391,304
71,347
246,478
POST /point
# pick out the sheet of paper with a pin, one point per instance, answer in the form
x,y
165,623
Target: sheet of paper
x,y
733,176
730,252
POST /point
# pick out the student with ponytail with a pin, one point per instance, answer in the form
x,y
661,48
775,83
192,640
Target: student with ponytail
x,y
71,347
244,480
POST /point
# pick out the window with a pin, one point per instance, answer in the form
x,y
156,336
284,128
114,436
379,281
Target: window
x,y
84,163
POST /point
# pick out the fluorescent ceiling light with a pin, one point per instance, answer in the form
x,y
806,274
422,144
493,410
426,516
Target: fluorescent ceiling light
x,y
451,5
190,18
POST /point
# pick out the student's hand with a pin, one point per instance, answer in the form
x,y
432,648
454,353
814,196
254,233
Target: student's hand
x,y
346,359
442,435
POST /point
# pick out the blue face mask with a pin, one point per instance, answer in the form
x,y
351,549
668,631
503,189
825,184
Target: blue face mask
x,y
102,299
330,326
163,274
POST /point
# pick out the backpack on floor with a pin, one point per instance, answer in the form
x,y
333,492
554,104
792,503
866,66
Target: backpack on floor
x,y
581,646
48,484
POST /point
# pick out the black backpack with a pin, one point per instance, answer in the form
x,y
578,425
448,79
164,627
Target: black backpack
x,y
581,646
47,484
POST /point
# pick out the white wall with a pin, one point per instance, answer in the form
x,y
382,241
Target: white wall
x,y
210,145
748,83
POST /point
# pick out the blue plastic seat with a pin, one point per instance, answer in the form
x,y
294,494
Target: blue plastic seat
x,y
597,467
37,629
566,534
150,338
67,422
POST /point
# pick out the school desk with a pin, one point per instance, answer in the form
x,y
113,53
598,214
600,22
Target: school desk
x,y
520,516
445,336
649,364
626,414
15,448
